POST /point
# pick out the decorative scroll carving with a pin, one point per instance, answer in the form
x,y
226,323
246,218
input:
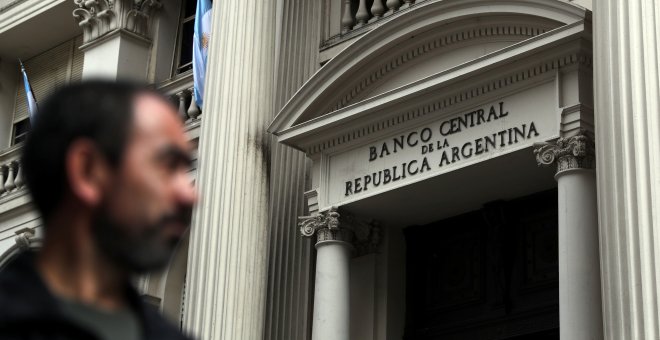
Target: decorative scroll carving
x,y
330,226
309,225
98,17
575,152
137,20
24,238
326,227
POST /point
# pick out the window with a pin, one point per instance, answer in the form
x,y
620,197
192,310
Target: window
x,y
185,36
47,71
20,131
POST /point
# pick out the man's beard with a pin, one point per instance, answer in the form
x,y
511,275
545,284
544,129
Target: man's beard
x,y
136,248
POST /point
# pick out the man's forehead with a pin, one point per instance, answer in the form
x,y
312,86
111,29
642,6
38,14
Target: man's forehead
x,y
154,117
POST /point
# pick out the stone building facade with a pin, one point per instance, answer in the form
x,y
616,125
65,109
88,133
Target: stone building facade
x,y
383,169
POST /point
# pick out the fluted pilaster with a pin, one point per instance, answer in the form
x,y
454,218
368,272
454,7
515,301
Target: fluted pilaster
x,y
627,66
289,297
227,265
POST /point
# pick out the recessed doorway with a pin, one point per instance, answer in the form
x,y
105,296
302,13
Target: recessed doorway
x,y
489,274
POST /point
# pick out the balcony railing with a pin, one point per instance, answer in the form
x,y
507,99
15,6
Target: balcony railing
x,y
358,13
180,91
11,174
358,16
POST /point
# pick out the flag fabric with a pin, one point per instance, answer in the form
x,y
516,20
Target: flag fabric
x,y
201,36
32,103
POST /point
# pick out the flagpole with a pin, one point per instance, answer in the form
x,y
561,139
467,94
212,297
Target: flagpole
x,y
29,93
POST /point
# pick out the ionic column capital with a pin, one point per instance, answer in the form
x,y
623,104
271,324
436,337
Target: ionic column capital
x,y
325,225
331,226
98,17
576,152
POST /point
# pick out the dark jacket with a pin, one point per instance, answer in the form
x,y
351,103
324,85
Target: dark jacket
x,y
28,311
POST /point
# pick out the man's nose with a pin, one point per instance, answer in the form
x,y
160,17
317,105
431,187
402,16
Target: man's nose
x,y
185,190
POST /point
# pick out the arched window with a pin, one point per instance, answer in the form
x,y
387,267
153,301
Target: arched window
x,y
25,240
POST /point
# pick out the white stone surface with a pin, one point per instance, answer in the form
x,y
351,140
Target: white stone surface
x,y
627,83
227,266
291,272
120,55
332,291
580,313
21,11
426,144
584,3
9,76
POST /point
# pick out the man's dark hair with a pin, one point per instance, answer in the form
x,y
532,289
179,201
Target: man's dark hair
x,y
99,110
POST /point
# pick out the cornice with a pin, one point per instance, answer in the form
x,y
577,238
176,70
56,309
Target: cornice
x,y
10,5
112,34
20,11
450,101
15,201
180,82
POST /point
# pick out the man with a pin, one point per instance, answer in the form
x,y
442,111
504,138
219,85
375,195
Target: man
x,y
106,164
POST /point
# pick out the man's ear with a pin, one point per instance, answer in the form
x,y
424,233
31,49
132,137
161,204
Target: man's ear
x,y
87,171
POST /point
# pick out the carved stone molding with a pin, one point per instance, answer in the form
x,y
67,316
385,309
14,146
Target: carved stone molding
x,y
99,17
446,102
312,200
24,238
576,152
326,227
521,30
325,234
309,225
364,235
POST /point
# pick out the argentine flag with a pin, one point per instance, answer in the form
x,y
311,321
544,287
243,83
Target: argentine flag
x,y
32,103
201,38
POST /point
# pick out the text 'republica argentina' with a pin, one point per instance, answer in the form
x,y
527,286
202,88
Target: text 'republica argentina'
x,y
434,140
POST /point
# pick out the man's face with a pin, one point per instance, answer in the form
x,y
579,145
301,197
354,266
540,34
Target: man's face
x,y
148,204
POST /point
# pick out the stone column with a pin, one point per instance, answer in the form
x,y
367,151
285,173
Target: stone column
x,y
627,120
227,264
116,37
337,240
331,318
580,313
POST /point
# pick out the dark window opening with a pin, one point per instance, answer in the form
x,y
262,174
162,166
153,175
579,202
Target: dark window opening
x,y
185,38
20,132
